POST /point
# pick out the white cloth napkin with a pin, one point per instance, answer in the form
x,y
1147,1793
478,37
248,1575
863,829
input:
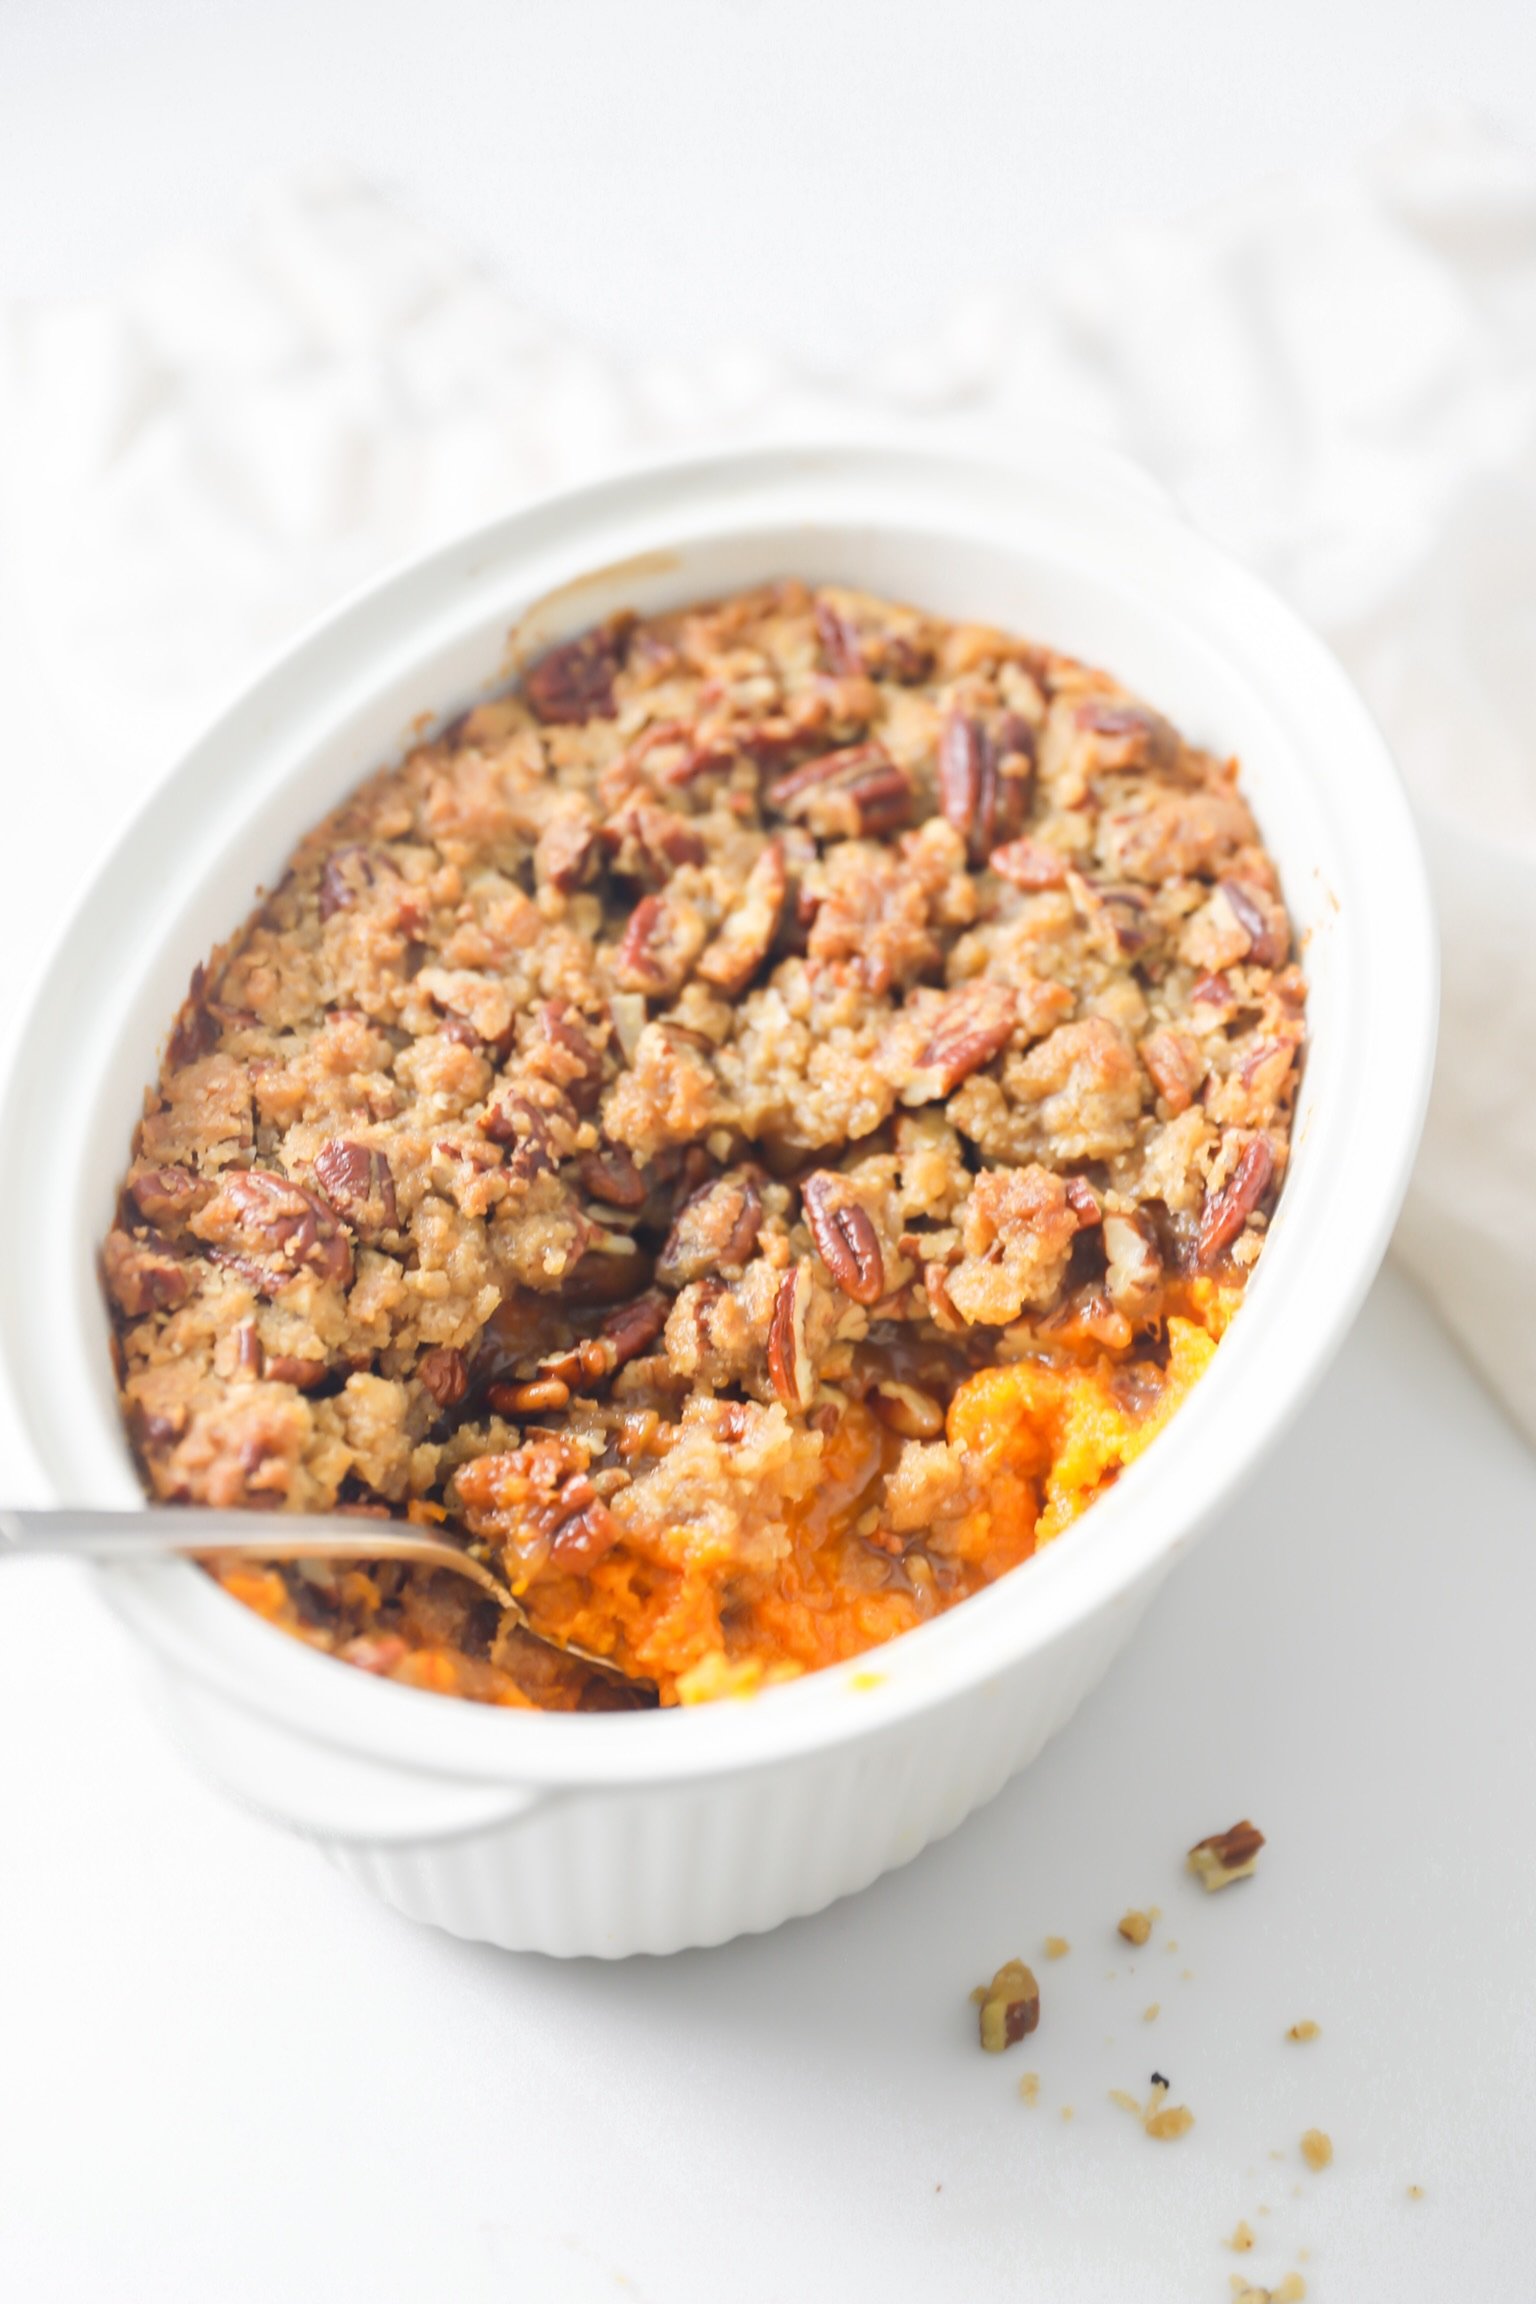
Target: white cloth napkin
x,y
1336,378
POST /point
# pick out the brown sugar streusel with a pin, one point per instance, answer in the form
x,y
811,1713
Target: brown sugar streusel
x,y
755,1127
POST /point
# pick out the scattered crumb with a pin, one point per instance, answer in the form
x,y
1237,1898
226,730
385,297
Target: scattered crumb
x,y
1135,1927
1172,1944
1226,1856
1277,2155
1158,2117
1056,1947
1150,2015
1188,1975
1029,2087
1415,2191
1067,2112
1316,2148
1009,2005
1263,2208
1243,2238
1292,2290
1305,2030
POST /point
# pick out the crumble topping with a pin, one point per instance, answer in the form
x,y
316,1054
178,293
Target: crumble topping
x,y
756,1127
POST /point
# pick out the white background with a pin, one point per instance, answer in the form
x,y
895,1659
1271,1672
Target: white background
x,y
226,2075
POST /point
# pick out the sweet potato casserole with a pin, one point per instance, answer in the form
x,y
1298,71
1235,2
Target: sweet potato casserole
x,y
754,1128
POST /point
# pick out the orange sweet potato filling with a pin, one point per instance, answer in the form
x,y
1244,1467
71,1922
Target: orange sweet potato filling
x,y
1039,1441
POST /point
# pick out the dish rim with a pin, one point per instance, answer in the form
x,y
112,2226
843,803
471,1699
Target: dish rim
x,y
1170,1494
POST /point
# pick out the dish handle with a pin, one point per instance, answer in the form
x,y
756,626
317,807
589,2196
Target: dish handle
x,y
324,1793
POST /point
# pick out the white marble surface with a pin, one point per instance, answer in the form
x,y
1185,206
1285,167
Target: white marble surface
x,y
225,2074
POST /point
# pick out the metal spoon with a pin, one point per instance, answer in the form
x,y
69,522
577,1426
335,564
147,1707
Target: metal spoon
x,y
159,1529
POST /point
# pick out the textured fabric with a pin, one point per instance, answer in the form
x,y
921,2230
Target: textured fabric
x,y
1336,378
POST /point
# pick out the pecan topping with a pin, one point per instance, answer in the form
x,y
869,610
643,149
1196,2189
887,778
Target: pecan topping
x,y
1227,1211
166,1196
141,1277
1267,945
1030,864
567,1054
345,875
642,962
1009,2006
567,855
1083,1202
291,1368
789,1359
444,1374
1175,1064
650,843
1136,736
845,1238
746,936
907,1411
972,1027
587,1532
1226,1856
1134,1273
513,1121
609,1174
574,682
985,774
852,651
846,795
195,1033
627,1331
358,1182
268,1229
716,1230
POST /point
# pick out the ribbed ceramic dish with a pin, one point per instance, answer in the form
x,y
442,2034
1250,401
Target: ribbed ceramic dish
x,y
616,1834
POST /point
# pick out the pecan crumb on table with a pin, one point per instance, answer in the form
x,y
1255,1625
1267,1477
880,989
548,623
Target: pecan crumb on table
x,y
1009,2006
1226,1856
756,1126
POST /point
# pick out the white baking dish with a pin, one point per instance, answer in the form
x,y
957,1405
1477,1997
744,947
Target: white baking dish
x,y
650,1832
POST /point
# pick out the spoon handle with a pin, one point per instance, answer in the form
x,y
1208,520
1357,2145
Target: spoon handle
x,y
156,1530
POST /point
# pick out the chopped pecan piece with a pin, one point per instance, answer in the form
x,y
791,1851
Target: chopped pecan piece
x,y
845,1237
715,1231
142,1276
1176,1066
1133,735
568,854
986,769
444,1373
789,1359
345,876
1227,1211
269,1229
1083,1202
851,794
648,843
1009,2007
1134,1266
852,649
359,1183
1030,864
574,682
515,1122
1262,923
746,936
609,1174
1226,1856
195,1033
973,1026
